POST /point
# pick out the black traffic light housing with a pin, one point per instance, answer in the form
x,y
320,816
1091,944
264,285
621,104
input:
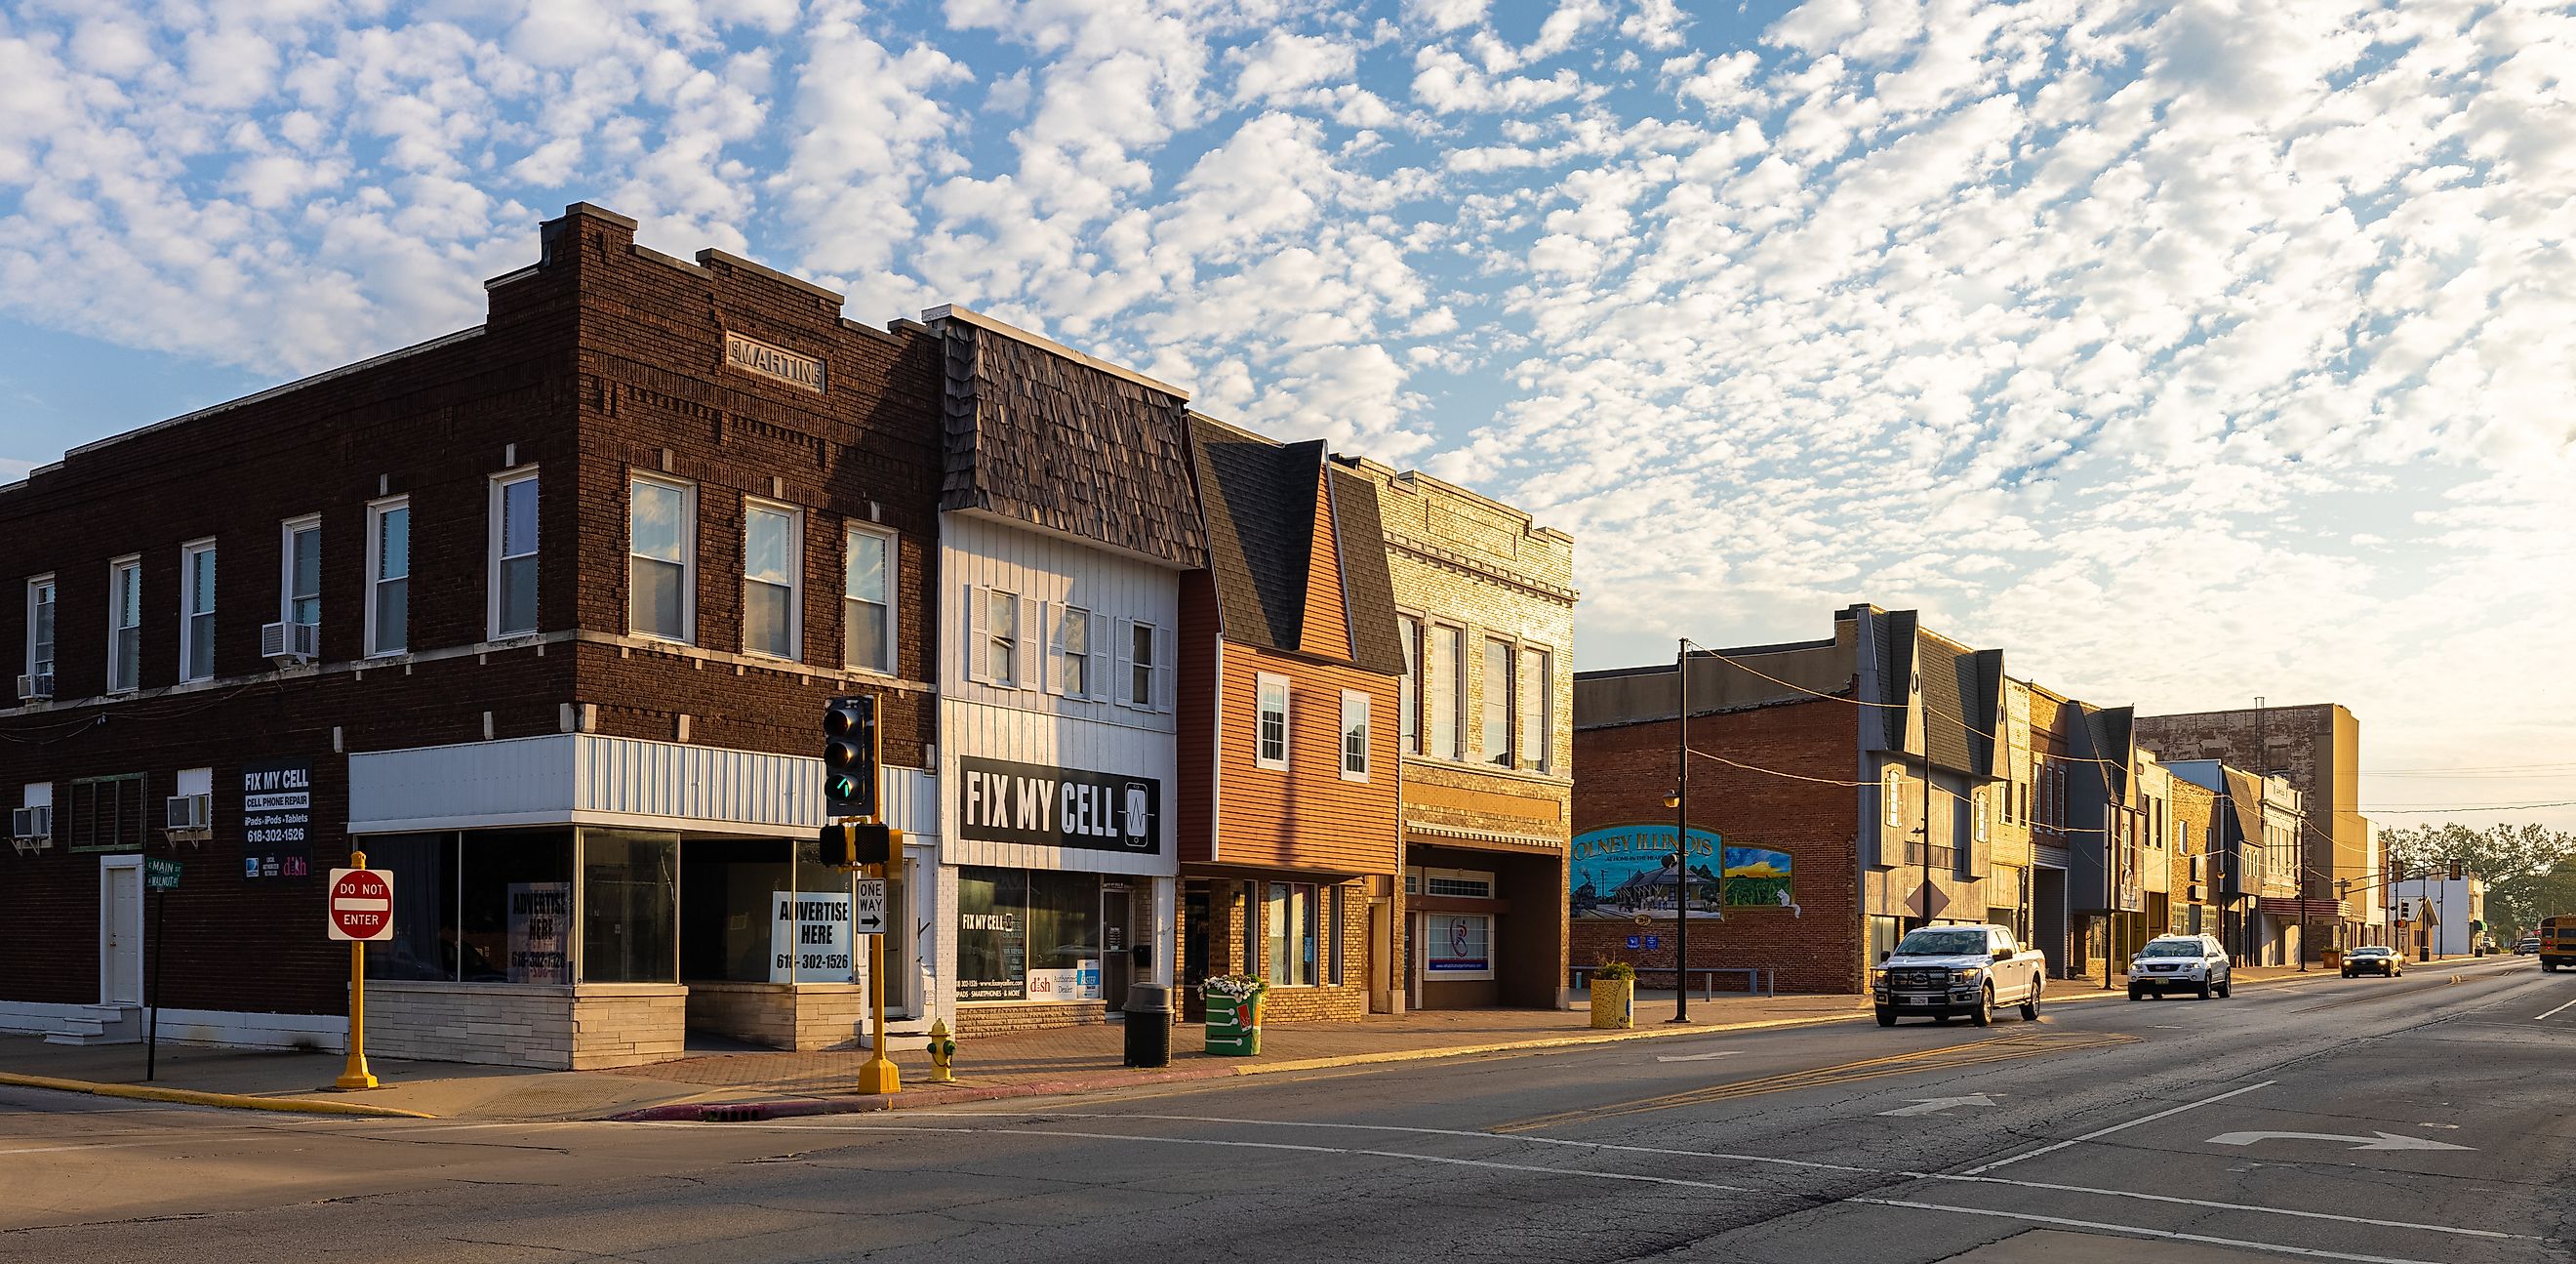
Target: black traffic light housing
x,y
850,757
861,843
2456,869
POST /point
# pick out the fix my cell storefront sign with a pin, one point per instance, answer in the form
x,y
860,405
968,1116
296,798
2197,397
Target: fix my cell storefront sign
x,y
277,818
1034,930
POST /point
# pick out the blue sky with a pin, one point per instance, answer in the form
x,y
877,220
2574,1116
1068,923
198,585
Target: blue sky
x,y
2190,352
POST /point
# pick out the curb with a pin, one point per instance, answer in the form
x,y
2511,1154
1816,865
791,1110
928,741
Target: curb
x,y
2117,994
191,1097
929,1099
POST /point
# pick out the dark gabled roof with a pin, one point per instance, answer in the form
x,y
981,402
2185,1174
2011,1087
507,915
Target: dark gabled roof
x,y
2108,728
1368,590
1046,436
1258,498
1949,699
1896,636
2245,796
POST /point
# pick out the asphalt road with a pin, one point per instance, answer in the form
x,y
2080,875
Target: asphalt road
x,y
2418,1119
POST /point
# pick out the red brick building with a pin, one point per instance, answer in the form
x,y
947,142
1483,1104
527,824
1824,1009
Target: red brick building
x,y
538,613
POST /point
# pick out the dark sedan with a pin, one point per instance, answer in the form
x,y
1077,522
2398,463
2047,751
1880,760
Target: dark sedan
x,y
2379,961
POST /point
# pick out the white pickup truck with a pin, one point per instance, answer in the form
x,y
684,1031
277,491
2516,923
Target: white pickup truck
x,y
1944,971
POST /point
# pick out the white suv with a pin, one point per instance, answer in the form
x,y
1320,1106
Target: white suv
x,y
2176,963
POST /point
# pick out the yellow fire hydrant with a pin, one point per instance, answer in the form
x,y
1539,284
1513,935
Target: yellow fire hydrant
x,y
943,1053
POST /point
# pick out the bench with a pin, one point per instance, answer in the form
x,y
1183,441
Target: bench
x,y
1758,980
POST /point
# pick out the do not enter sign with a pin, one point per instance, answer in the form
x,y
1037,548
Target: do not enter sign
x,y
362,904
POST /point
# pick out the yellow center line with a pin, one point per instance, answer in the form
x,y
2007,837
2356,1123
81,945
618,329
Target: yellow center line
x,y
1943,1057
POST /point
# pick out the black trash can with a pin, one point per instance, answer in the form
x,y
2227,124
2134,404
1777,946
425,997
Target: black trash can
x,y
1149,1025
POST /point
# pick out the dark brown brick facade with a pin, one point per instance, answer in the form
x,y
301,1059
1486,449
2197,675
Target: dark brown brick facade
x,y
601,360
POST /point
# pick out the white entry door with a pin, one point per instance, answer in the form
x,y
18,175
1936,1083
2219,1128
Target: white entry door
x,y
120,932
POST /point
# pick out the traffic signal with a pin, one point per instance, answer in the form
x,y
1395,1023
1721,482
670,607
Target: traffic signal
x,y
2456,869
860,843
850,757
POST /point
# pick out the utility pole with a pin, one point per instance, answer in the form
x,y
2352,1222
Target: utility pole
x,y
1681,839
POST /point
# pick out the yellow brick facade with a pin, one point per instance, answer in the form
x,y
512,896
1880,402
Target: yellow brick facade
x,y
1462,562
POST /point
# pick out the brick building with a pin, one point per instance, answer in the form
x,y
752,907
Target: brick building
x,y
1289,663
2316,749
536,613
1485,618
1842,792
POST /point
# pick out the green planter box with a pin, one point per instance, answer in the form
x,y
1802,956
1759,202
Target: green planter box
x,y
1234,1025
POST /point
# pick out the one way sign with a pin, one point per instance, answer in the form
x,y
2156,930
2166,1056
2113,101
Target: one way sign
x,y
869,910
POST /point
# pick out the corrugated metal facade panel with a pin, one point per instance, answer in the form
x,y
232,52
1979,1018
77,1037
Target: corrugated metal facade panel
x,y
588,777
1035,726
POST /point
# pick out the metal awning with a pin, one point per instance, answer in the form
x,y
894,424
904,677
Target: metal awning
x,y
2307,910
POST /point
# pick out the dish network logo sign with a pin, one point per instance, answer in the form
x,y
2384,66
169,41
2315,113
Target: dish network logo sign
x,y
1004,802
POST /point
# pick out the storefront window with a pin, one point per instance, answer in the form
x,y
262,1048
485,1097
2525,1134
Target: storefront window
x,y
630,909
423,946
725,890
992,934
1290,918
1028,935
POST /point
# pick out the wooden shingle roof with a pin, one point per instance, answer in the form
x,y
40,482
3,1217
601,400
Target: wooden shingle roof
x,y
1048,437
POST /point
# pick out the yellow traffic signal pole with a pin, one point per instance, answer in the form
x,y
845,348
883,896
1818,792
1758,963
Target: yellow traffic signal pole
x,y
355,1074
878,1074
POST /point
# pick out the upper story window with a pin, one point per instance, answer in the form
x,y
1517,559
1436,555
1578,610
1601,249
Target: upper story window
x,y
1892,788
40,626
661,557
1001,647
1980,807
1448,681
389,576
300,570
1270,725
124,624
867,623
773,573
1075,675
1538,709
1355,735
513,577
1141,662
1498,703
1408,699
197,611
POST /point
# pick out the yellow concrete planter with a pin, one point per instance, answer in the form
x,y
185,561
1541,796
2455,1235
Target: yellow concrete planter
x,y
1614,1003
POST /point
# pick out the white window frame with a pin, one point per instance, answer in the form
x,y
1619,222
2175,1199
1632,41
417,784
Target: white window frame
x,y
188,611
890,574
795,578
986,644
1534,716
1891,787
1262,685
688,561
116,569
495,511
1303,904
1980,802
1354,701
53,646
1410,693
1453,707
286,533
1060,655
1133,635
376,511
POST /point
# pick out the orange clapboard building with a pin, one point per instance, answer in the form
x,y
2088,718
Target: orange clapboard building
x,y
1288,671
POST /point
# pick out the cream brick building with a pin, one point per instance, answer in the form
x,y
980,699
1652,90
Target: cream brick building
x,y
1485,600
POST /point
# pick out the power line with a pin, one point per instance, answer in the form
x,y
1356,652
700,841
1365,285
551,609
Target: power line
x,y
2480,807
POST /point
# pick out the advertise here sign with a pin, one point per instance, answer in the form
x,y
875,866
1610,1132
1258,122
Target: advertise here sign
x,y
277,818
540,925
1005,802
809,937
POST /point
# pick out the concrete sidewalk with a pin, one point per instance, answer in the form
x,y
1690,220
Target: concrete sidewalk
x,y
1079,1059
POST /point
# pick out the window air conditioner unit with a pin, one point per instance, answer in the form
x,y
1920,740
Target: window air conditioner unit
x,y
31,829
290,642
39,688
189,813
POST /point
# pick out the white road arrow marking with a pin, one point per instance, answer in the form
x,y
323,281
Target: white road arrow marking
x,y
1696,1057
1936,1105
2384,1141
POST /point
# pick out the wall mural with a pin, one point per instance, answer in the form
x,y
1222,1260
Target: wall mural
x,y
1621,872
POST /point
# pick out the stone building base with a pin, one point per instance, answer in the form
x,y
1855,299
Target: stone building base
x,y
576,1028
798,1016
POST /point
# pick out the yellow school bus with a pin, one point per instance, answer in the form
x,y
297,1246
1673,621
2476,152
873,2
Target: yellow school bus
x,y
2558,942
